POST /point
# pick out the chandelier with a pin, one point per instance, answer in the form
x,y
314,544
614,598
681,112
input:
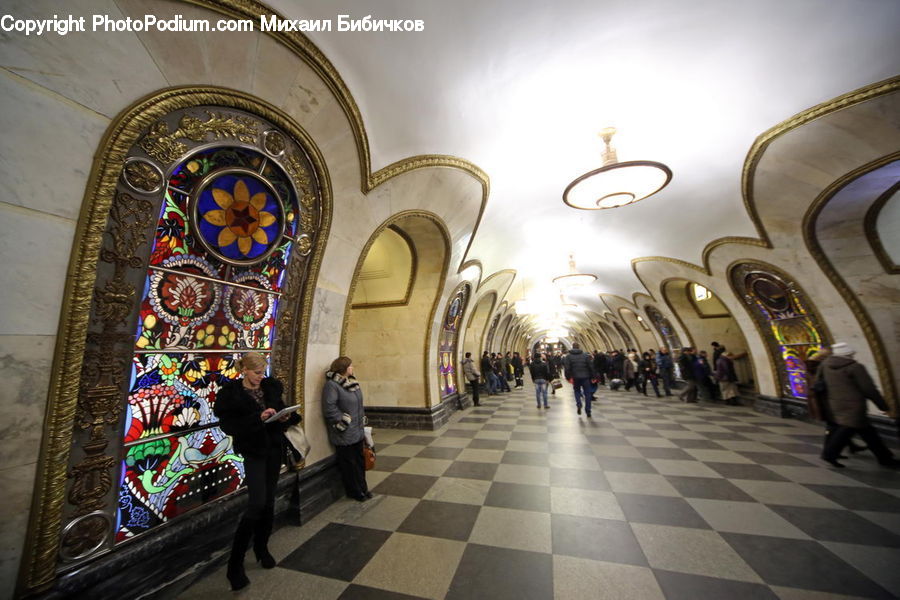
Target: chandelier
x,y
574,278
616,183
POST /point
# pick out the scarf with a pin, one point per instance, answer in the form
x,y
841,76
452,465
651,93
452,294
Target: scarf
x,y
348,383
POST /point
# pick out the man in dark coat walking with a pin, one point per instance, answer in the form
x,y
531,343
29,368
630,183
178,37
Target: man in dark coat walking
x,y
579,368
847,386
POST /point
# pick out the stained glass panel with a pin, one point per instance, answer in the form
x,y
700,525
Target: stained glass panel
x,y
664,328
448,341
788,324
221,249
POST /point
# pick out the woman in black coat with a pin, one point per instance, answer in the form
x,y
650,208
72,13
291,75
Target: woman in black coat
x,y
342,406
243,406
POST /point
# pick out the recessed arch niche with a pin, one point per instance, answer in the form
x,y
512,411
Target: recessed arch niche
x,y
388,272
707,329
381,339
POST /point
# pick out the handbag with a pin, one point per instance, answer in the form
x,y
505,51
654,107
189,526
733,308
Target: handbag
x,y
297,445
368,457
556,384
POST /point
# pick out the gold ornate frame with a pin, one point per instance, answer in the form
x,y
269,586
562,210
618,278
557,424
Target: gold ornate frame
x,y
39,565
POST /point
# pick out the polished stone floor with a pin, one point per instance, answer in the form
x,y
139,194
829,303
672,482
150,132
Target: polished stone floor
x,y
651,498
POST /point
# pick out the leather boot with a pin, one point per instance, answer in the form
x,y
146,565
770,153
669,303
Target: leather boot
x,y
261,541
235,574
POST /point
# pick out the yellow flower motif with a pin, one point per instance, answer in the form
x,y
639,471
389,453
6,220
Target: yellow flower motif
x,y
242,217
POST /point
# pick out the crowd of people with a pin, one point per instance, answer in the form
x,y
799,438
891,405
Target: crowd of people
x,y
839,386
709,378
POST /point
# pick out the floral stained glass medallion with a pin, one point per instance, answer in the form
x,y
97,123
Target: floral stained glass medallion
x,y
239,216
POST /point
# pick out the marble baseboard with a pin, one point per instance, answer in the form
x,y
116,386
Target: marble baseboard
x,y
162,564
401,417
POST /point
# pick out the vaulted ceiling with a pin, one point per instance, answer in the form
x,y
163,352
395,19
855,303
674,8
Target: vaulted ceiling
x,y
522,87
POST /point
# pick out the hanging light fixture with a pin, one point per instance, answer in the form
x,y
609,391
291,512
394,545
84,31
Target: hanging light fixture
x,y
616,183
573,278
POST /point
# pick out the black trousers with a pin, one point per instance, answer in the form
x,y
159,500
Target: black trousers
x,y
261,477
474,385
353,469
839,437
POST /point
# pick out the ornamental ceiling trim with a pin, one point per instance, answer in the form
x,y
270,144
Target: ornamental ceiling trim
x,y
309,53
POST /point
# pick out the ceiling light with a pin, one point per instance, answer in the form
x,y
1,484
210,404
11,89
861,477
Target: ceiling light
x,y
616,183
573,278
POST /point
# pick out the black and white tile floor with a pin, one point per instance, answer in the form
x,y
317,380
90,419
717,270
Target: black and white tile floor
x,y
651,498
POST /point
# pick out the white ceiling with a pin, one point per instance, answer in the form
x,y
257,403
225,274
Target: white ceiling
x,y
521,88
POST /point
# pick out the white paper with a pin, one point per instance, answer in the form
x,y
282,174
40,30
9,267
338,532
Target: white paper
x,y
282,412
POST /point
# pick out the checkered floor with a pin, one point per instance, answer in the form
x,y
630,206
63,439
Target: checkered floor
x,y
651,498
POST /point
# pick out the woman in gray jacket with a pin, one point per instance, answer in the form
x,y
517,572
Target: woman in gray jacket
x,y
342,405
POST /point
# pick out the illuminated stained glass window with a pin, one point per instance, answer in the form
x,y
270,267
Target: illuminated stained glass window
x,y
229,223
664,328
448,340
786,319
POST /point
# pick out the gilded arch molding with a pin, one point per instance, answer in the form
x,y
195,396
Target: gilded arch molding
x,y
445,238
309,53
39,560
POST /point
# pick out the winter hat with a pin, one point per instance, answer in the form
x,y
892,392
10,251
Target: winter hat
x,y
842,349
